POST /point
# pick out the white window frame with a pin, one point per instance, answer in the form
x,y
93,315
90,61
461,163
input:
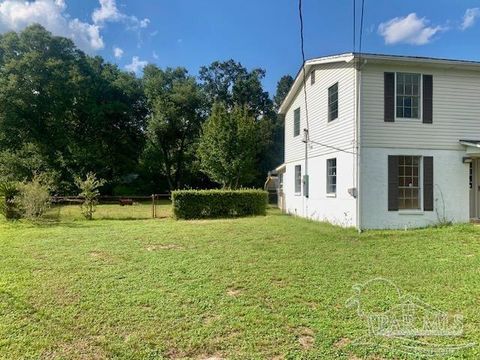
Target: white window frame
x,y
329,193
420,99
295,179
299,121
328,102
419,210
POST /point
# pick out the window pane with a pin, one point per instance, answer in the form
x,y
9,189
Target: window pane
x,y
409,182
296,122
331,175
333,102
408,97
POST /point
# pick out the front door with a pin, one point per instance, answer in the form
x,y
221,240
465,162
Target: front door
x,y
474,183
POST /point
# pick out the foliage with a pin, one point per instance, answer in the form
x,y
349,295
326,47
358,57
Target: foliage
x,y
199,204
8,206
231,83
64,112
89,188
283,87
34,197
175,117
229,146
72,111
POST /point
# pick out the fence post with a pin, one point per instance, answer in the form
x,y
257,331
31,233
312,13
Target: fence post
x,y
154,215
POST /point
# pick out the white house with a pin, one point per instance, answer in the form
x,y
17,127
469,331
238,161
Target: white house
x,y
389,142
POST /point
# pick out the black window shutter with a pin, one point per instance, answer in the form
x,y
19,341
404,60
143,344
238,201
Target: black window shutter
x,y
428,183
427,99
389,97
392,183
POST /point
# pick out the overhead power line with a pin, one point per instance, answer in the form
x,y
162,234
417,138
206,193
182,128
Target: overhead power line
x,y
302,44
361,27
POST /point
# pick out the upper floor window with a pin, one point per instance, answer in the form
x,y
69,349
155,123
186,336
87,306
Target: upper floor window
x,y
331,176
296,122
408,95
312,77
333,102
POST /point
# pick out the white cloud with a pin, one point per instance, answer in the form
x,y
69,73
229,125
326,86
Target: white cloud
x,y
109,12
136,65
409,29
155,55
16,15
117,52
469,18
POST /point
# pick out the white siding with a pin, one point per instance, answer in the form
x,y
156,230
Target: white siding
x,y
451,190
456,110
338,133
339,210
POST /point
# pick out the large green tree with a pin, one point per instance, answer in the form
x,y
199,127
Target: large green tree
x,y
176,112
229,146
79,113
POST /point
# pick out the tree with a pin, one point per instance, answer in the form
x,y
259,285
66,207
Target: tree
x,y
174,122
229,146
90,193
283,87
77,112
232,84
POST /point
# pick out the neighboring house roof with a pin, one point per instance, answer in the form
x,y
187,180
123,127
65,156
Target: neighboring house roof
x,y
373,58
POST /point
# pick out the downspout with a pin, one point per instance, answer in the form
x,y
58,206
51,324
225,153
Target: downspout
x,y
358,105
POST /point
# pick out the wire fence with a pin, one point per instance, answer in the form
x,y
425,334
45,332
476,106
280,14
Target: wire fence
x,y
155,206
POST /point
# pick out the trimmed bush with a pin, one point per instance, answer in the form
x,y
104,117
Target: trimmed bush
x,y
207,204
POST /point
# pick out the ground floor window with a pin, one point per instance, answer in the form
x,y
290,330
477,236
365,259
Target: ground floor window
x,y
298,179
409,182
331,176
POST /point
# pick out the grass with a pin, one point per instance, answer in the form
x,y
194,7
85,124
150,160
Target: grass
x,y
262,287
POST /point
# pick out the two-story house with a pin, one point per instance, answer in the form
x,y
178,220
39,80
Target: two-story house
x,y
388,142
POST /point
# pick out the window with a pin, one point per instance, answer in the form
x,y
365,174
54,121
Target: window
x,y
298,179
312,77
408,95
333,102
296,122
409,182
331,176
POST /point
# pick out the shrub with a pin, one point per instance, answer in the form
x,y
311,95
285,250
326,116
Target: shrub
x,y
89,193
202,204
8,205
33,198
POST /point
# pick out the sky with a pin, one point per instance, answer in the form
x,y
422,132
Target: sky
x,y
258,33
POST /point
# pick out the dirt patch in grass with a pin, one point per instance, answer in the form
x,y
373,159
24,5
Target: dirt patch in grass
x,y
342,343
158,247
306,338
102,256
234,292
82,348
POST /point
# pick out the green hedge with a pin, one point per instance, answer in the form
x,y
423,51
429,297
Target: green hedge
x,y
204,204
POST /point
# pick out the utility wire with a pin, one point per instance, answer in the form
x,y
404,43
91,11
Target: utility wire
x,y
305,83
354,24
300,13
332,147
361,28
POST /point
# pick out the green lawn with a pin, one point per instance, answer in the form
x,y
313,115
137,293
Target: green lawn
x,y
263,287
